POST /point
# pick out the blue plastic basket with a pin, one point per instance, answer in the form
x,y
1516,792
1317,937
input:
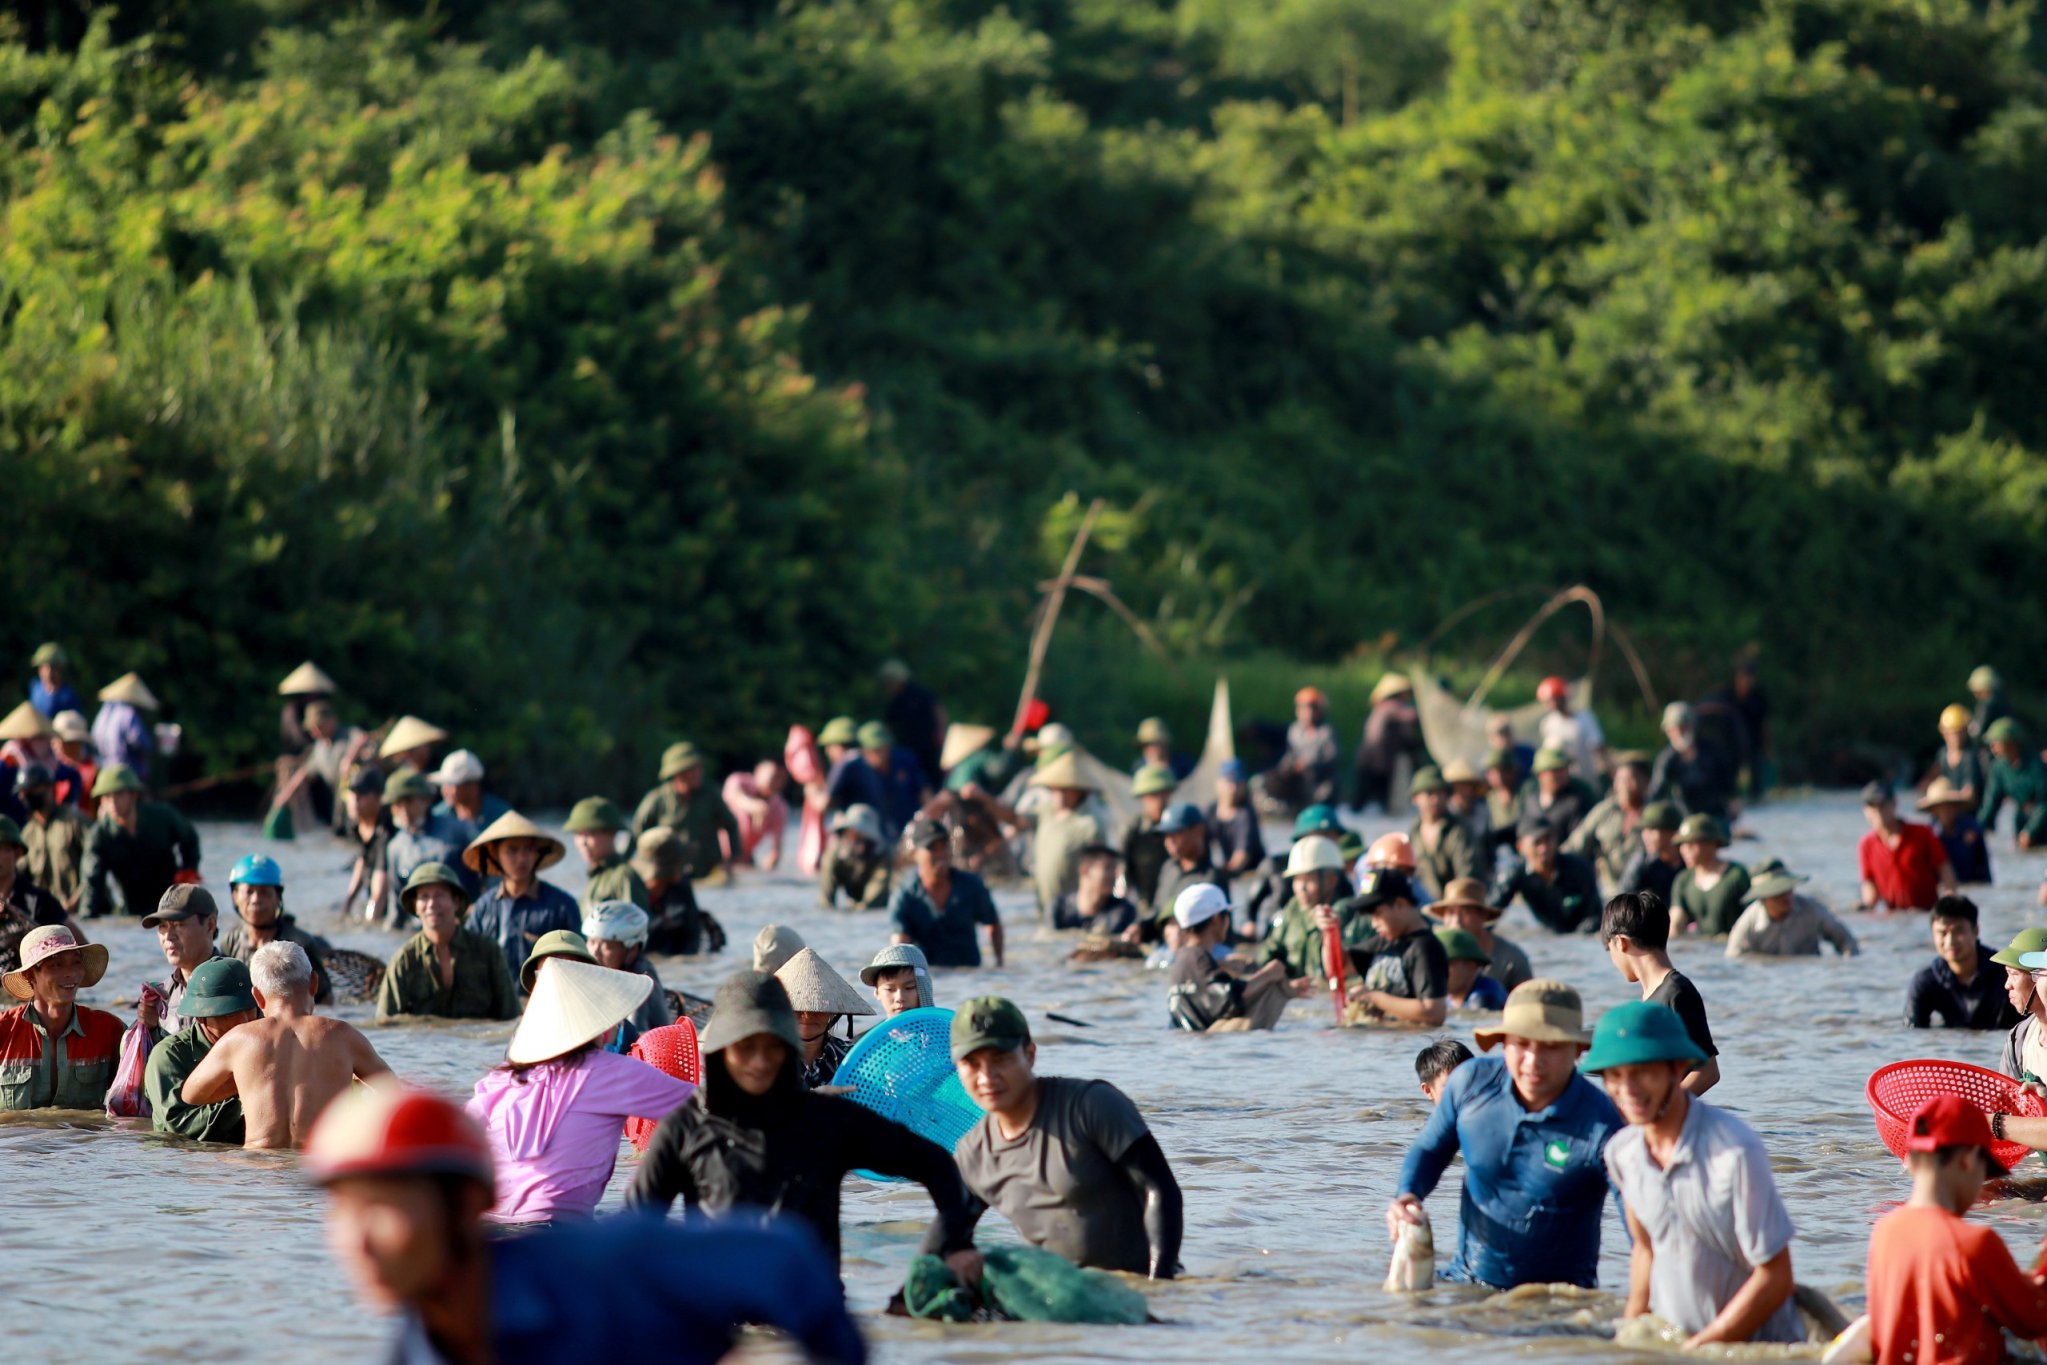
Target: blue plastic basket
x,y
902,1069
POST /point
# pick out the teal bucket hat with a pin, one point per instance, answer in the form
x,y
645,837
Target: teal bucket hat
x,y
1638,1032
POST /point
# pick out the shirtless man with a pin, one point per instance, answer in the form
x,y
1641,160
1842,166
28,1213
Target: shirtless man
x,y
288,1065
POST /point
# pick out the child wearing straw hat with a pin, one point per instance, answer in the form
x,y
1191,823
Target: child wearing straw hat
x,y
520,907
554,1110
820,997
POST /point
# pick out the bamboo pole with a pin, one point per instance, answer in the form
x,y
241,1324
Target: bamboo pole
x,y
1041,638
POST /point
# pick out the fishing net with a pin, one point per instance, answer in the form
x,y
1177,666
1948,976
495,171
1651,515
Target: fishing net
x,y
1023,1284
1454,730
1898,1091
671,1048
902,1069
356,976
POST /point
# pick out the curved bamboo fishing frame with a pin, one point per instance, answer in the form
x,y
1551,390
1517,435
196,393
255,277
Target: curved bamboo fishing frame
x,y
1557,601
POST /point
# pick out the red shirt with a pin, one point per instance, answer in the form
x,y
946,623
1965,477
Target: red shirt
x,y
1942,1289
1906,877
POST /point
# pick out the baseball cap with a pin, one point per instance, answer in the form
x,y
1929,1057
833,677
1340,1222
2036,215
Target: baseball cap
x,y
180,902
1199,904
988,1021
1878,793
925,831
1951,1121
1382,886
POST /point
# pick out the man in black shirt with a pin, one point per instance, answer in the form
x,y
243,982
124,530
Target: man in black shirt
x,y
1093,904
915,717
1406,972
1654,866
1959,988
1561,889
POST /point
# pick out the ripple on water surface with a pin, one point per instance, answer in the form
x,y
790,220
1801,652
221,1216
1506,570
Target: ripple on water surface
x,y
1288,1145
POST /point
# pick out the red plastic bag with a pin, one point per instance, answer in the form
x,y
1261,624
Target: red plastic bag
x,y
125,1097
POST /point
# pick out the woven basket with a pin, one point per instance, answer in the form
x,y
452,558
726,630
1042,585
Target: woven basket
x,y
1897,1092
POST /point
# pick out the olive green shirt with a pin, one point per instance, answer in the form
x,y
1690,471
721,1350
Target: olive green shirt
x,y
2024,784
1604,837
482,988
56,853
1455,855
143,864
698,819
163,1080
1055,851
1713,911
864,880
614,880
1296,939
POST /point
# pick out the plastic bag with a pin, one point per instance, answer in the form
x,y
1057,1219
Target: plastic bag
x,y
125,1097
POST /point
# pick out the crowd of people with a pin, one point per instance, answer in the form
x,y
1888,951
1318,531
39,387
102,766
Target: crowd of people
x,y
468,1213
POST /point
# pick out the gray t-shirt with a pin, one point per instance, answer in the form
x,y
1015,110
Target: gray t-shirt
x,y
1712,1216
1059,1182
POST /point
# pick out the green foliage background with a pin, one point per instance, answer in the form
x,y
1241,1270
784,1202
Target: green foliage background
x,y
584,375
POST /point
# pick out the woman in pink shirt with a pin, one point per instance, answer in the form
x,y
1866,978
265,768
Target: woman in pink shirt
x,y
554,1111
755,800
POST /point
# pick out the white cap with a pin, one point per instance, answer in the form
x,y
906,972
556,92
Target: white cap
x,y
1199,904
457,768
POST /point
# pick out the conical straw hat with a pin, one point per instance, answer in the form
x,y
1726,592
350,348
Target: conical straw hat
x,y
25,722
814,988
305,680
1063,772
130,688
573,1003
512,825
963,742
408,734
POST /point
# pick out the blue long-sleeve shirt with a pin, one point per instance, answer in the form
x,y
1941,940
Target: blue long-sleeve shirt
x,y
515,925
634,1288
1534,1180
49,702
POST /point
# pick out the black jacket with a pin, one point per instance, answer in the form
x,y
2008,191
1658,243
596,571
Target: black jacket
x,y
785,1152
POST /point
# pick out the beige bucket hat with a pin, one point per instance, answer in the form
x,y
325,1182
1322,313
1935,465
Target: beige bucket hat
x,y
774,945
409,733
574,1002
41,944
1463,891
512,825
963,742
1543,1010
814,988
130,688
305,681
25,722
70,727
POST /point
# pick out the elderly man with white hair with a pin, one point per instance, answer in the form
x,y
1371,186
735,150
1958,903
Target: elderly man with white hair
x,y
617,934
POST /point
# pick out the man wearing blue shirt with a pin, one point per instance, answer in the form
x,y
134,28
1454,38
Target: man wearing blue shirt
x,y
1533,1132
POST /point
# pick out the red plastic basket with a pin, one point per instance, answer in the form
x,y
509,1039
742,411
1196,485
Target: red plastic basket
x,y
1898,1091
673,1048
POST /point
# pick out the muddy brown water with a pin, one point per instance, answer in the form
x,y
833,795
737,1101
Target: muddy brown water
x,y
126,1246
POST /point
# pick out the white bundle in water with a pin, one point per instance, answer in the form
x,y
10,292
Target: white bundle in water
x,y
1414,1259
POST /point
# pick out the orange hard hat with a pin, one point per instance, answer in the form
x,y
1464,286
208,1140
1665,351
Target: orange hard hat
x,y
1310,696
1391,850
1553,689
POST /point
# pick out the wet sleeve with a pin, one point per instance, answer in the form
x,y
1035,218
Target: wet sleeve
x,y
1920,1000
827,891
1993,798
97,899
187,837
1837,933
1148,1171
2014,1299
663,1176
888,1148
876,893
390,1001
901,916
1691,1007
1432,1151
984,908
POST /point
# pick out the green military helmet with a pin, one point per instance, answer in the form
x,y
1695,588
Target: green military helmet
x,y
1461,945
1984,678
115,777
1427,779
874,735
1702,829
50,654
564,943
839,730
432,874
679,758
1153,779
596,815
1152,730
2005,730
1662,815
407,784
2032,940
1549,761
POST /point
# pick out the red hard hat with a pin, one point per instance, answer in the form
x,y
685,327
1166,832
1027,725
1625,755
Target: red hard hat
x,y
1391,850
390,1129
1553,689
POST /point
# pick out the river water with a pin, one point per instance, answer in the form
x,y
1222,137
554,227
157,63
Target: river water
x,y
127,1246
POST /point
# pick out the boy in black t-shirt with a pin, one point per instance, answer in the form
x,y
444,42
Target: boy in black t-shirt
x,y
1636,929
1406,972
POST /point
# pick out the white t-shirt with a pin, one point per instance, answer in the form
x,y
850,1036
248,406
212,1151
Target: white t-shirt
x,y
1578,737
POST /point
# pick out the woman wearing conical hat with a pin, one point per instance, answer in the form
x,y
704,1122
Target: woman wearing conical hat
x,y
555,1109
122,732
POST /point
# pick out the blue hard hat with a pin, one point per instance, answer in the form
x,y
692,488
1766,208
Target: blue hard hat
x,y
254,869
